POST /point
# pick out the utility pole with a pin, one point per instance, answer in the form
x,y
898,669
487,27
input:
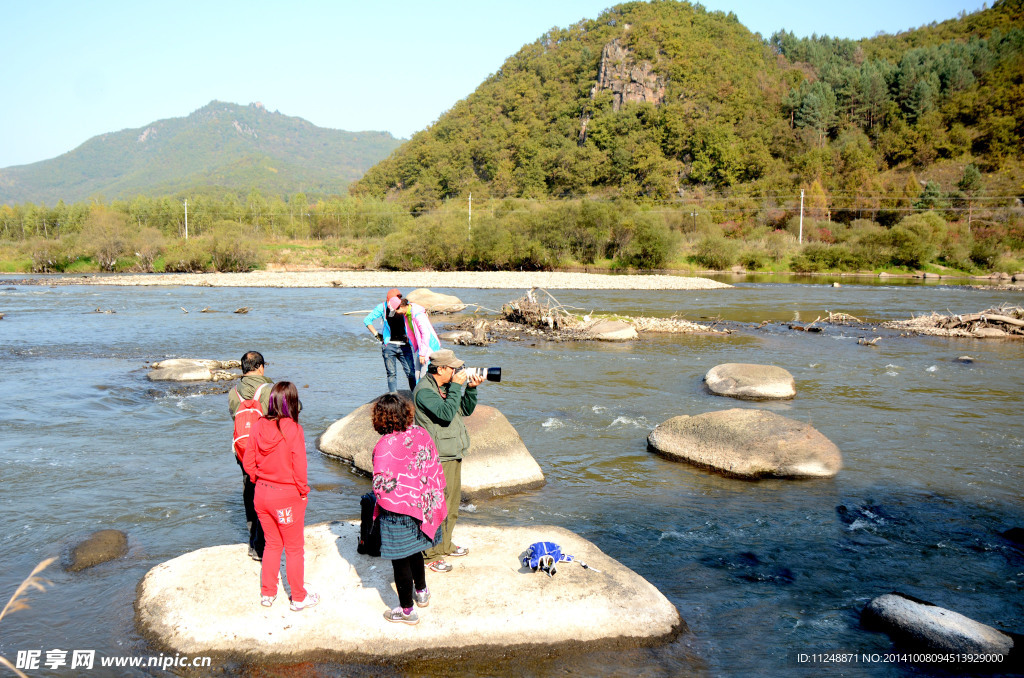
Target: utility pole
x,y
800,239
694,215
471,215
186,220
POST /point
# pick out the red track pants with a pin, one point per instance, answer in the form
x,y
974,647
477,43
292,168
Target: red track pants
x,y
282,513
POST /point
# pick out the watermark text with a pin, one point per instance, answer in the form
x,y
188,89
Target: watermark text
x,y
33,660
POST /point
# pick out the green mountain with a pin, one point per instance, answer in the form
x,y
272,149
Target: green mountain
x,y
221,147
664,99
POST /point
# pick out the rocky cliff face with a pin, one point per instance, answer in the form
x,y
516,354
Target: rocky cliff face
x,y
626,78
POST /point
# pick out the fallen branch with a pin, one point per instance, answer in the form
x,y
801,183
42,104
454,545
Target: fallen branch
x,y
990,318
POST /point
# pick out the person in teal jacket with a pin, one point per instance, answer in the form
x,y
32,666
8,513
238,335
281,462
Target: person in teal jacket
x,y
442,399
394,339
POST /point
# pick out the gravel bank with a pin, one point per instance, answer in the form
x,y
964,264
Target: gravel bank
x,y
476,280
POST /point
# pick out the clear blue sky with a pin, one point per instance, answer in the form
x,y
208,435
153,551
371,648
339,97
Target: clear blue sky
x,y
74,69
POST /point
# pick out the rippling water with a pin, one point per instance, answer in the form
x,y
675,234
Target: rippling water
x,y
933,452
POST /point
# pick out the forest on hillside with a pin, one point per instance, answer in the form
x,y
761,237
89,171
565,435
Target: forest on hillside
x,y
739,114
658,135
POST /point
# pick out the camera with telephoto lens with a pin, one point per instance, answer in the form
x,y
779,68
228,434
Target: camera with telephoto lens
x,y
488,373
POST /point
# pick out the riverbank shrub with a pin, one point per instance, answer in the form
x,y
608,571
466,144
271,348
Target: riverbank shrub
x,y
646,243
716,253
984,252
232,248
917,239
50,256
184,256
149,244
818,256
106,238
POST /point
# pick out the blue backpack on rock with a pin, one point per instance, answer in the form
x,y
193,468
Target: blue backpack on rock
x,y
544,556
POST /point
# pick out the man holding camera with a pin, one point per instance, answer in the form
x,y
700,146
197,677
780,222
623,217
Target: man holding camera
x,y
443,398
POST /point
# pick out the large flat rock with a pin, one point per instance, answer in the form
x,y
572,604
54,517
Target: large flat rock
x,y
435,302
193,369
611,330
748,381
748,444
497,463
209,600
919,624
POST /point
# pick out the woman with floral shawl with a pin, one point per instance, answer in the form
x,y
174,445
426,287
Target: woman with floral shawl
x,y
409,485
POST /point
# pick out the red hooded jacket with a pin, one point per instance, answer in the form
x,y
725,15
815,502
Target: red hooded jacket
x,y
277,455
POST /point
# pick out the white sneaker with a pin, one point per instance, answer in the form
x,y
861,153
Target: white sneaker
x,y
311,600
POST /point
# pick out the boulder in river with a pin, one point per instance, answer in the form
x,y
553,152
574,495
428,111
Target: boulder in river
x,y
99,547
435,302
750,382
611,330
209,601
455,336
747,444
193,369
497,463
921,625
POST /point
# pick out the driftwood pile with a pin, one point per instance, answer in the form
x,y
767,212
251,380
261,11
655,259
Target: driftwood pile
x,y
538,314
671,324
841,319
1005,321
831,319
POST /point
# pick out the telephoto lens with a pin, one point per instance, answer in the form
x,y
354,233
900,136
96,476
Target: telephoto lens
x,y
488,373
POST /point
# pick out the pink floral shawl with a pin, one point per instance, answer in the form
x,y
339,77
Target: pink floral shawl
x,y
407,477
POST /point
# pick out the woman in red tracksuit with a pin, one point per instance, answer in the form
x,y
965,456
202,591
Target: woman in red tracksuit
x,y
275,459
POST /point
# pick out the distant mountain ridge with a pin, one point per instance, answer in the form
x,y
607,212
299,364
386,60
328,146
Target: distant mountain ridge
x,y
219,147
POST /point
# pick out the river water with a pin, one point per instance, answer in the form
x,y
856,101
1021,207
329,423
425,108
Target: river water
x,y
762,571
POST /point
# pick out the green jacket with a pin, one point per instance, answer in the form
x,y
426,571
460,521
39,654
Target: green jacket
x,y
246,389
442,417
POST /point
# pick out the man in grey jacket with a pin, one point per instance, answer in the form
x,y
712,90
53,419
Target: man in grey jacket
x,y
253,379
442,399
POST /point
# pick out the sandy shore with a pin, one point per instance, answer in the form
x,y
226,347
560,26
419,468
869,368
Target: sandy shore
x,y
405,280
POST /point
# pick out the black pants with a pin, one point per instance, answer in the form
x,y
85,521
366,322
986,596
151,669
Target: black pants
x,y
409,571
256,540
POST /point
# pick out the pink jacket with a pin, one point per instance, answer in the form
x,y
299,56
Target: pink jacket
x,y
407,478
421,333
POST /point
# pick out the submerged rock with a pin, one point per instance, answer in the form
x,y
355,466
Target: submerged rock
x,y
435,302
1016,535
747,444
497,463
750,382
209,600
193,369
99,547
921,625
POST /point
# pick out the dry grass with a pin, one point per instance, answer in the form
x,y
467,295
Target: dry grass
x,y
19,601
